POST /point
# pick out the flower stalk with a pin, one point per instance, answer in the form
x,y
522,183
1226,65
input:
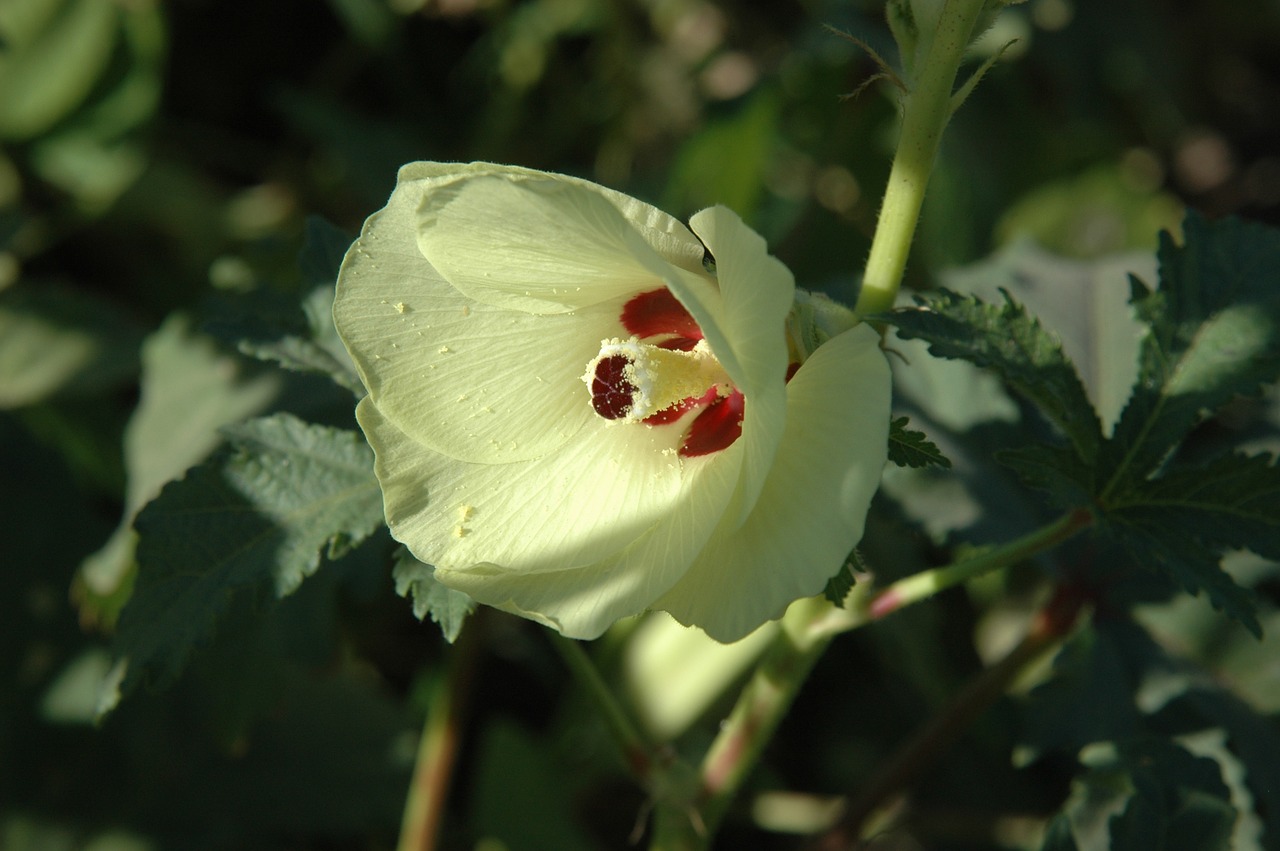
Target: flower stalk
x,y
920,586
926,109
640,756
438,747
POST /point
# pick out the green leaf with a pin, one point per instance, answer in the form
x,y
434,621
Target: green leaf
x,y
189,391
1089,697
1214,334
727,160
1179,800
1185,520
445,606
839,586
252,519
53,55
299,337
1004,338
55,340
1053,469
1085,302
524,792
1146,793
909,448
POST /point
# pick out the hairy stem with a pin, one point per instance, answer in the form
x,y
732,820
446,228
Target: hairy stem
x,y
926,108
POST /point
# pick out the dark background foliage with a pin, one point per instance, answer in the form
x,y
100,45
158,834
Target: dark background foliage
x,y
166,174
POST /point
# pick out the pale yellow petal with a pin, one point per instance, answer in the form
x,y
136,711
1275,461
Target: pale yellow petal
x,y
812,508
470,380
756,292
536,244
606,487
665,234
583,602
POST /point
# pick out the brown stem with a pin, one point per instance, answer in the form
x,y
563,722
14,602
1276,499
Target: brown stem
x,y
942,731
438,747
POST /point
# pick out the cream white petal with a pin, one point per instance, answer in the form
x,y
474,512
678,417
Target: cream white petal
x,y
470,380
541,245
666,234
607,486
583,602
813,506
756,292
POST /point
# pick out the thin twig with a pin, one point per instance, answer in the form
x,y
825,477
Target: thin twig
x,y
438,747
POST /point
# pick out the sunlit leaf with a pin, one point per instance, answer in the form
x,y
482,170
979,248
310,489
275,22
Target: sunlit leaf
x,y
1214,335
1005,339
445,606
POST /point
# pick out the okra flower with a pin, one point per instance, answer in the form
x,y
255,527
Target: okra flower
x,y
582,409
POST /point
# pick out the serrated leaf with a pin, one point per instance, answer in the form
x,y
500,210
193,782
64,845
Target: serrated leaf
x,y
1146,793
1085,302
1214,334
254,518
447,607
1185,520
1005,339
189,390
910,448
1053,469
838,587
297,336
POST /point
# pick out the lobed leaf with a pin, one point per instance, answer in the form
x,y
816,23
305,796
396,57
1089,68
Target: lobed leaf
x,y
1005,339
1183,521
1053,469
910,448
446,607
1214,334
253,518
271,327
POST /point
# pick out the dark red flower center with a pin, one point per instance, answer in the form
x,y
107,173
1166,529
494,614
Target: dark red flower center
x,y
611,390
659,319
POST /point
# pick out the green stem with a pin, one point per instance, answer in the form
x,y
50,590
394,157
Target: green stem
x,y
640,756
925,112
438,747
925,584
807,629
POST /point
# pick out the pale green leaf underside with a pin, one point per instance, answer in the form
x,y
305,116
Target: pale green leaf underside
x,y
445,606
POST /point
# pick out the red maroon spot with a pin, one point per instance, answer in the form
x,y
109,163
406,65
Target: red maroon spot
x,y
716,428
658,313
611,392
792,369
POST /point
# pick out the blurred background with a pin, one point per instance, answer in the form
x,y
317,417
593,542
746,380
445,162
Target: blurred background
x,y
162,164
